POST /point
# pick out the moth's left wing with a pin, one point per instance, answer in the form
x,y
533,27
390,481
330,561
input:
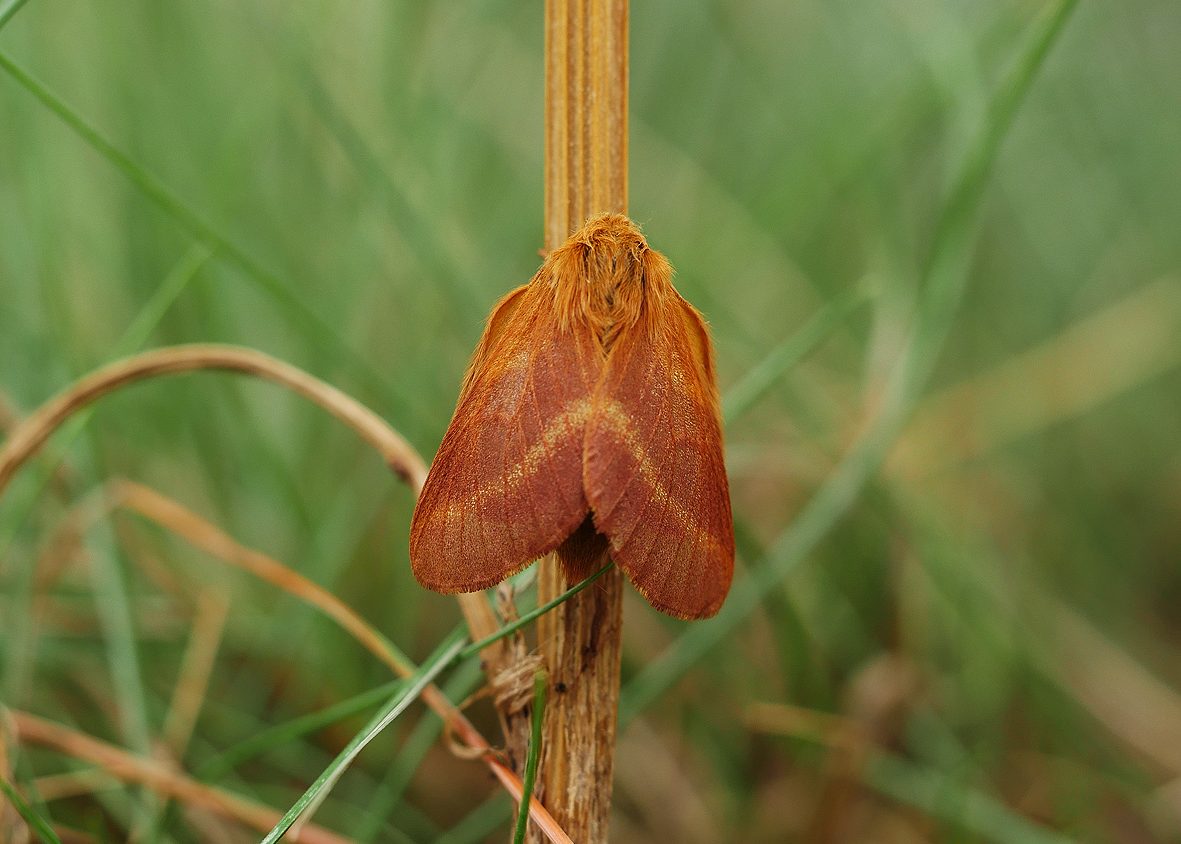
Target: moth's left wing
x,y
654,473
506,483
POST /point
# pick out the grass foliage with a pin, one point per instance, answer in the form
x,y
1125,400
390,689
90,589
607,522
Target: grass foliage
x,y
937,246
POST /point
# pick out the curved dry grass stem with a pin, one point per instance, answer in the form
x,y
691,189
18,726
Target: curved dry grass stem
x,y
131,768
27,437
202,534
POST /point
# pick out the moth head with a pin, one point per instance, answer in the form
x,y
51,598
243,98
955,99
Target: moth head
x,y
607,278
610,236
607,252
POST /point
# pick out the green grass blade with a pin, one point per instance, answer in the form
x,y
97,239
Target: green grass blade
x,y
281,734
480,823
946,271
532,615
9,10
37,823
16,516
111,593
132,339
944,282
956,804
136,335
761,377
107,572
540,685
388,796
300,315
112,602
419,234
443,656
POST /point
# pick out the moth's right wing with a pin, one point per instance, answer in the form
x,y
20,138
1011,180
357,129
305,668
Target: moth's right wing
x,y
655,476
506,484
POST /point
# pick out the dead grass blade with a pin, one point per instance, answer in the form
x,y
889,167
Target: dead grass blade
x,y
196,667
200,533
27,437
134,769
9,418
1116,689
1087,364
12,827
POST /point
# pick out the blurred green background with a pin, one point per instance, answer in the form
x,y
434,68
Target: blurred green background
x,y
983,646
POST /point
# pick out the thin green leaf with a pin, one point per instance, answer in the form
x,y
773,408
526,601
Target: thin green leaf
x,y
540,686
761,377
955,803
944,282
281,734
162,299
306,805
388,795
34,820
532,615
300,315
133,337
9,10
480,822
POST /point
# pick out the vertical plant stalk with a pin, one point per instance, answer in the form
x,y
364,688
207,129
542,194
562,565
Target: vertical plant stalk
x,y
586,73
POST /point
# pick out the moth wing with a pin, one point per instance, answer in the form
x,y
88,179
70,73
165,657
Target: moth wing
x,y
654,473
506,484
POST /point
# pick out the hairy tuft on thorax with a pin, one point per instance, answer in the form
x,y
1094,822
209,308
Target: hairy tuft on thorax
x,y
607,276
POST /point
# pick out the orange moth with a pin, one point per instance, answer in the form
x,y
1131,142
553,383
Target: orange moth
x,y
587,424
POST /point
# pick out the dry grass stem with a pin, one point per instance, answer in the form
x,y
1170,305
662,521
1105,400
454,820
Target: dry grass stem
x,y
509,666
202,534
1087,364
27,437
586,138
784,719
31,434
73,784
1117,690
12,826
657,780
196,667
131,768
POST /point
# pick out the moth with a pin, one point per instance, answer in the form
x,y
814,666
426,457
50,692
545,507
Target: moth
x,y
587,424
